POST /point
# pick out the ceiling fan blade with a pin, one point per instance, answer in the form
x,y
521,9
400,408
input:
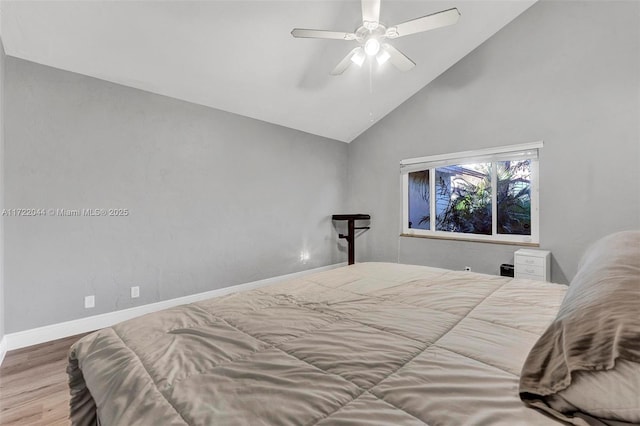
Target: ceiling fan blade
x,y
398,59
334,35
426,23
370,11
345,63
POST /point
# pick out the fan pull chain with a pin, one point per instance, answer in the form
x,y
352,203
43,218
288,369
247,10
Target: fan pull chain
x,y
371,90
371,77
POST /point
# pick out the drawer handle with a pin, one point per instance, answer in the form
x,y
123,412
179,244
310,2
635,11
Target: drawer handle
x,y
529,261
530,271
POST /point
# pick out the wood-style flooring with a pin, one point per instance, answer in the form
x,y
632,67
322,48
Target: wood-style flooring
x,y
33,385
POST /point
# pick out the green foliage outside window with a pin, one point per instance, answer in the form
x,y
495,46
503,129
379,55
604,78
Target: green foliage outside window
x,y
463,198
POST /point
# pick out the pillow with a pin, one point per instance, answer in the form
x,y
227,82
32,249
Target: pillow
x,y
593,392
588,360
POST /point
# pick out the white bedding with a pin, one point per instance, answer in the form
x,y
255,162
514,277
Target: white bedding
x,y
371,343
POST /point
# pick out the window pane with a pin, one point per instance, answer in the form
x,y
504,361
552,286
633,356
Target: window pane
x,y
514,197
463,198
419,200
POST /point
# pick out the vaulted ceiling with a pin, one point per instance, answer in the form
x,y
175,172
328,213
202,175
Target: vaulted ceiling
x,y
239,56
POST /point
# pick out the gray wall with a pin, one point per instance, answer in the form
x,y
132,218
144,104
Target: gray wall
x,y
566,72
2,304
215,199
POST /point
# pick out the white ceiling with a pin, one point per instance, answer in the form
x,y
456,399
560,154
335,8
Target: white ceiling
x,y
239,56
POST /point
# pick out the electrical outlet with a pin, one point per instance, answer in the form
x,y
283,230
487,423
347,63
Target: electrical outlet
x,y
135,292
89,301
467,268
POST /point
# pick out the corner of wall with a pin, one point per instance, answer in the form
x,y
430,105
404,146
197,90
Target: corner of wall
x,y
2,305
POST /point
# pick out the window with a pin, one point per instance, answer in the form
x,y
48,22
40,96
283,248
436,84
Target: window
x,y
487,195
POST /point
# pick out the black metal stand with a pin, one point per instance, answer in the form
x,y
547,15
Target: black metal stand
x,y
351,231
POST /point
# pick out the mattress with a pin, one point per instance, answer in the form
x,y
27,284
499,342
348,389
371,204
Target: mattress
x,y
366,344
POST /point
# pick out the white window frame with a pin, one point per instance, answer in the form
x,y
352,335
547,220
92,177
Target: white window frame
x,y
510,152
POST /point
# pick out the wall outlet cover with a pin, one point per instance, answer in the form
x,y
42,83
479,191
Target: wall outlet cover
x,y
135,292
89,301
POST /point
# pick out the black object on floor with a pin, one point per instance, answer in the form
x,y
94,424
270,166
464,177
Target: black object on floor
x,y
506,270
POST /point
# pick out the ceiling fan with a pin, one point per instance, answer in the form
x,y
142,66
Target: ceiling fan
x,y
372,34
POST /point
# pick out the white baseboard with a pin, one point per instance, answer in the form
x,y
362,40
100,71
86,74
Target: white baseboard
x,y
51,332
3,348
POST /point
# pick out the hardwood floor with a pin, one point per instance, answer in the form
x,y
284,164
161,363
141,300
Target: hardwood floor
x,y
33,385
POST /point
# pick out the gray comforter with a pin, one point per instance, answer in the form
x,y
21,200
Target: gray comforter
x,y
370,343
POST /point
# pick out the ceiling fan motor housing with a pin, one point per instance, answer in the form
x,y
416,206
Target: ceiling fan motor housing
x,y
363,33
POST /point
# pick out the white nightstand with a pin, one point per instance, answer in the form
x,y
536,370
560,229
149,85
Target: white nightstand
x,y
533,264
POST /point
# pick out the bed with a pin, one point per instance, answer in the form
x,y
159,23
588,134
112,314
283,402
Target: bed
x,y
366,344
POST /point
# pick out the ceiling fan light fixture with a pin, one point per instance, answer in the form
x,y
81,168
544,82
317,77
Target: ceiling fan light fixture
x,y
382,57
358,57
372,46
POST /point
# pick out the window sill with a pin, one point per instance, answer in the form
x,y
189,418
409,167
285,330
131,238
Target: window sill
x,y
473,240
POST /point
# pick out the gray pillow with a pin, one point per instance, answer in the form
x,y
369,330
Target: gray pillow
x,y
574,367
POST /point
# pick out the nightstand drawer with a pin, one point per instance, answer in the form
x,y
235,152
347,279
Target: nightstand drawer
x,y
530,261
520,275
531,270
